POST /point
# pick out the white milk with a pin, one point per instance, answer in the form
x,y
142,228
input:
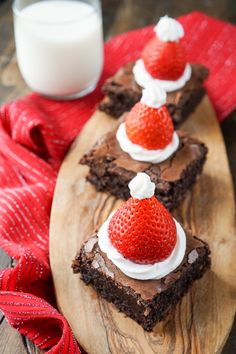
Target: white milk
x,y
59,46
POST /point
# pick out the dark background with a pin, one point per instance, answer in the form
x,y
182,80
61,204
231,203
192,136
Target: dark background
x,y
118,16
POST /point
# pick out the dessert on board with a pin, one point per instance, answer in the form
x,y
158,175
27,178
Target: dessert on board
x,y
141,259
145,141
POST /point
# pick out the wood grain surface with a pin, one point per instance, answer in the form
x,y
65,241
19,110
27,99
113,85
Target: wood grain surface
x,y
202,321
118,16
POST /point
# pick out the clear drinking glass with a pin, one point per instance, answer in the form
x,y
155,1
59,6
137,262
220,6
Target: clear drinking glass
x,y
59,45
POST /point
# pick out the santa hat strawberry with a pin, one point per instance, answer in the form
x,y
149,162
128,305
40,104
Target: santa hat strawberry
x,y
149,123
142,230
164,55
148,132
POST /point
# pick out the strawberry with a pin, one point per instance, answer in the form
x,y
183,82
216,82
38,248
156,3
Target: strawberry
x,y
151,128
143,231
164,60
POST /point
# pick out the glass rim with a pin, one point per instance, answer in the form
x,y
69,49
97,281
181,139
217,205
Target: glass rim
x,y
18,14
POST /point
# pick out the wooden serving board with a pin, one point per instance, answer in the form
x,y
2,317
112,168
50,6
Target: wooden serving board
x,y
202,321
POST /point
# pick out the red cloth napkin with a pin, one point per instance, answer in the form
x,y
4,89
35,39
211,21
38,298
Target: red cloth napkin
x,y
34,135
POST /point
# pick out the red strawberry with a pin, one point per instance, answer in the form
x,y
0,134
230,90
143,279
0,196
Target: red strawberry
x,y
151,128
164,60
143,231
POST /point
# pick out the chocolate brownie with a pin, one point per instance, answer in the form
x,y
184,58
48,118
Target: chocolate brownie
x,y
145,301
111,169
122,92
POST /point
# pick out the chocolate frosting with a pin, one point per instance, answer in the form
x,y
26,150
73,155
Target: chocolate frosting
x,y
146,288
125,79
189,150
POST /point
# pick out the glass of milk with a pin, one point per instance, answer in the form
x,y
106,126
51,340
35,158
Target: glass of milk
x,y
59,45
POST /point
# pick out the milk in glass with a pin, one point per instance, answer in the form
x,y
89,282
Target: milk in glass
x,y
59,46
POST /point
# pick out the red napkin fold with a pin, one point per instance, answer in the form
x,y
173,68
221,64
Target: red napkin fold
x,y
34,135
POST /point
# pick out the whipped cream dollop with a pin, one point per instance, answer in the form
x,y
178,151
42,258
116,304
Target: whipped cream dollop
x,y
168,29
143,271
139,153
153,95
143,78
141,186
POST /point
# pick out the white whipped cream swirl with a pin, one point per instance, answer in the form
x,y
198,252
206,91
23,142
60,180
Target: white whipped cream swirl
x,y
141,186
142,77
168,29
139,153
153,95
143,271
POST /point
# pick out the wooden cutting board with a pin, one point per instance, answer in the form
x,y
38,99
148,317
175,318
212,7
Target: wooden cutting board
x,y
202,321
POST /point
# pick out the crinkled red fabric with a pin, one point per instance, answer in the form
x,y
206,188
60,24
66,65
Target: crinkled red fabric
x,y
35,134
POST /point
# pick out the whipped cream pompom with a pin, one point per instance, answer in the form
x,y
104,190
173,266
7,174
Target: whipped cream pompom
x,y
153,95
141,186
168,29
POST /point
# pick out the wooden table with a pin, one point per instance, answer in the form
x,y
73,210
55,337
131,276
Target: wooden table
x,y
118,16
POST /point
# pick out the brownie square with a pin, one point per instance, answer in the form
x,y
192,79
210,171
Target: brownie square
x,y
145,301
111,169
122,92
